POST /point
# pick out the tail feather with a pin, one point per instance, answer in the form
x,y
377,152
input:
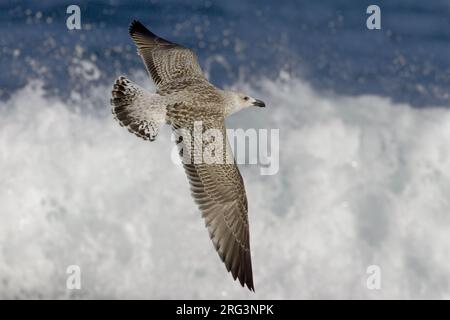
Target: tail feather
x,y
135,108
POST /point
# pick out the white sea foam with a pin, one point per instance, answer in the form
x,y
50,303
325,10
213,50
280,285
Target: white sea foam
x,y
362,181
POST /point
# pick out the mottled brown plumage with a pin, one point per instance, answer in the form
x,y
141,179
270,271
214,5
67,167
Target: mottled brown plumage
x,y
170,65
183,97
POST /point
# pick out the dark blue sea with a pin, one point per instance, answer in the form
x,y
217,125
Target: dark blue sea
x,y
324,42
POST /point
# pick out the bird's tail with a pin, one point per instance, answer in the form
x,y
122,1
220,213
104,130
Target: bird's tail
x,y
137,109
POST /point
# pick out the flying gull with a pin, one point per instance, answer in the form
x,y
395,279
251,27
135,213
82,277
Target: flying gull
x,y
184,96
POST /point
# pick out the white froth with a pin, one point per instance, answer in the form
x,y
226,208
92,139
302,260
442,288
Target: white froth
x,y
362,181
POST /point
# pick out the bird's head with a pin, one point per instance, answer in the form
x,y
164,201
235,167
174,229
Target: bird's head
x,y
238,101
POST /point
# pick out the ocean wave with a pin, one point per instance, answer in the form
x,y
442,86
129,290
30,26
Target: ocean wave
x,y
362,181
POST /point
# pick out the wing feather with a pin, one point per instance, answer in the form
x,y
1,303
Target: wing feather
x,y
166,62
218,190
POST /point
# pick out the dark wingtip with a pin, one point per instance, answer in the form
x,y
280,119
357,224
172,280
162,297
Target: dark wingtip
x,y
249,272
249,282
245,274
136,27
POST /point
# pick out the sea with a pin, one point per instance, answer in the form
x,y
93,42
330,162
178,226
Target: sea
x,y
363,185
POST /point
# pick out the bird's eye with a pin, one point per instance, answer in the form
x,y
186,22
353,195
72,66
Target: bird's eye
x,y
246,98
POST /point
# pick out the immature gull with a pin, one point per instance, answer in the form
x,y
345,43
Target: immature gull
x,y
184,97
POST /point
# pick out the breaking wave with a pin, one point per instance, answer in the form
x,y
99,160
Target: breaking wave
x,y
362,181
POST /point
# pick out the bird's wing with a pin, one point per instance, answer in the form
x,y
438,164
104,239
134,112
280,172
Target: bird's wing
x,y
218,190
166,62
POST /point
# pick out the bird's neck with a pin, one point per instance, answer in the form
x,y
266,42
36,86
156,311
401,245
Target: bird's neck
x,y
229,103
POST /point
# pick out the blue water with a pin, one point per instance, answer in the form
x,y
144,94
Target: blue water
x,y
364,153
324,42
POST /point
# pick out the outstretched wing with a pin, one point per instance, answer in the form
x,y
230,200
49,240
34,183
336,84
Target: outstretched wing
x,y
166,62
218,190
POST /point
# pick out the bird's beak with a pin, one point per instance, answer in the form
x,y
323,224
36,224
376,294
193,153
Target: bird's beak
x,y
259,103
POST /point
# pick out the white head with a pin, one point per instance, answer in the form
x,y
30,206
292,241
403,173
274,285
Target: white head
x,y
236,101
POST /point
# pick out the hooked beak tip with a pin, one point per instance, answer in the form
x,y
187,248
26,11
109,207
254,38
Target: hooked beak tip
x,y
259,103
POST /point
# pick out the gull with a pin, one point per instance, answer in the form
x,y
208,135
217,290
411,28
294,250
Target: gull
x,y
183,97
